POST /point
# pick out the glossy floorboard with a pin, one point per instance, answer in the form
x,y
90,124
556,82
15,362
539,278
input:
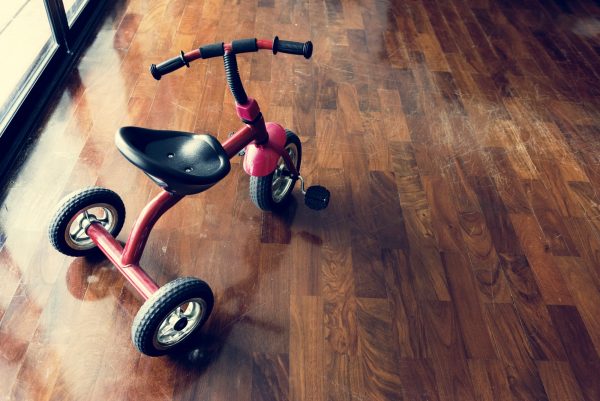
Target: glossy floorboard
x,y
460,256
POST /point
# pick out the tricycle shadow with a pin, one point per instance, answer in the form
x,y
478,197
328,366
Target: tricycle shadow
x,y
93,278
233,326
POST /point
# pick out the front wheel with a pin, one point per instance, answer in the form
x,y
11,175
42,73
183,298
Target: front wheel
x,y
169,317
273,191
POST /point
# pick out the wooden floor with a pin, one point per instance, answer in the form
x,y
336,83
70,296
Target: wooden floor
x,y
459,258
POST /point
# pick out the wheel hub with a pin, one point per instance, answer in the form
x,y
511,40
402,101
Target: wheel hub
x,y
76,235
180,325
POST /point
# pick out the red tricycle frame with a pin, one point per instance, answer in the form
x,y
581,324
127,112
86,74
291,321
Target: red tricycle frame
x,y
257,134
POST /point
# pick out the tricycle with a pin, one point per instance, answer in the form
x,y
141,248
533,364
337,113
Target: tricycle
x,y
181,164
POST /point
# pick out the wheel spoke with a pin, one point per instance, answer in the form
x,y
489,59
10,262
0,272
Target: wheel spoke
x,y
180,313
190,310
104,222
276,184
173,318
282,178
77,235
106,219
165,325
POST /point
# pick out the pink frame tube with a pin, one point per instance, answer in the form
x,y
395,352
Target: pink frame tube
x,y
134,274
127,260
239,141
288,162
141,230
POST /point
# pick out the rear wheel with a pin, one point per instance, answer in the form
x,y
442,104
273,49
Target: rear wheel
x,y
273,191
67,230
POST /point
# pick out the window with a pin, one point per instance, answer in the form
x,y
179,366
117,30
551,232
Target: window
x,y
40,41
25,47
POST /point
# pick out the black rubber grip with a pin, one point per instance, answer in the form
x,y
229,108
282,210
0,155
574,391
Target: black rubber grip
x,y
244,46
304,49
214,50
168,66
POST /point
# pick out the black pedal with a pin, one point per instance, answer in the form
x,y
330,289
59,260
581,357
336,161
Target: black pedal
x,y
317,197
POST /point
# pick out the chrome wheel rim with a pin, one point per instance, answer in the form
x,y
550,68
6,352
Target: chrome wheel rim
x,y
282,181
179,323
75,233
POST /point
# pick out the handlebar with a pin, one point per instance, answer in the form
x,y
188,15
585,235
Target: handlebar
x,y
237,46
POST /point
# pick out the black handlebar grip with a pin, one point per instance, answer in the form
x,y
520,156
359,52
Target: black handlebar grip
x,y
168,66
244,46
214,50
305,49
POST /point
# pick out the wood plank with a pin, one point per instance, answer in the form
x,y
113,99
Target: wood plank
x,y
583,358
406,311
306,350
587,299
545,268
559,382
377,350
419,378
514,351
446,351
490,380
468,309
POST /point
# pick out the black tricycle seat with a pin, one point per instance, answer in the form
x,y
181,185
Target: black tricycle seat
x,y
181,162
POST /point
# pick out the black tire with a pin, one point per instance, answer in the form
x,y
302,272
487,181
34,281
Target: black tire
x,y
162,304
261,188
93,200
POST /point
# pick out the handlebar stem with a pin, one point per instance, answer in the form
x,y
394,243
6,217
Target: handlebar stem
x,y
233,78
